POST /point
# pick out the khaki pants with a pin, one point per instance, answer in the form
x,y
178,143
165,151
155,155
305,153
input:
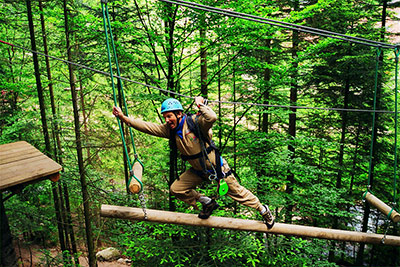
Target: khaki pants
x,y
184,189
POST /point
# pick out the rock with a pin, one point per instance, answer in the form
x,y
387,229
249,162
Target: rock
x,y
124,261
108,254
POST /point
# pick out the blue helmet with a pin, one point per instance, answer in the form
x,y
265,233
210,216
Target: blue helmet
x,y
171,104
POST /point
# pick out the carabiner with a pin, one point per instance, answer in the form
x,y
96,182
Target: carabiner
x,y
212,177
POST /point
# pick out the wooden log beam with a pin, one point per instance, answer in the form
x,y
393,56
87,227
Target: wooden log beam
x,y
382,207
135,186
245,225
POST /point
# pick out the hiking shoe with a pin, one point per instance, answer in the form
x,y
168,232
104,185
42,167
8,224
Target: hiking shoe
x,y
268,217
208,209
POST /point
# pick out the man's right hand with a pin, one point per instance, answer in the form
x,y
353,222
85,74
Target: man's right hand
x,y
117,112
199,100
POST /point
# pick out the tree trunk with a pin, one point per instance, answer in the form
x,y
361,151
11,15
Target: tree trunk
x,y
38,81
85,195
62,187
341,155
169,28
203,63
169,33
219,104
7,253
360,255
235,207
84,118
354,164
343,135
292,119
56,197
267,78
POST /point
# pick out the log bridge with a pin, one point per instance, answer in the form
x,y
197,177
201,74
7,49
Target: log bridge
x,y
169,217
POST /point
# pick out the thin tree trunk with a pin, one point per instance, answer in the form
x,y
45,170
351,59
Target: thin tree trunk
x,y
84,118
8,257
264,118
339,175
219,104
37,77
44,121
170,28
169,33
343,135
235,207
51,91
85,194
69,224
292,119
266,94
360,254
57,146
62,187
203,62
357,146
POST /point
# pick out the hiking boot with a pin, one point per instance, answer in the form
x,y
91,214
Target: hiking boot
x,y
268,217
208,209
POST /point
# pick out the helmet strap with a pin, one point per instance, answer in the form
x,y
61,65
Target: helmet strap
x,y
176,113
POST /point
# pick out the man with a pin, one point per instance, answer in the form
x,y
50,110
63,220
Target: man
x,y
199,154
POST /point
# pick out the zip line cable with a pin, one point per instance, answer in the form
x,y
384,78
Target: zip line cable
x,y
190,97
281,24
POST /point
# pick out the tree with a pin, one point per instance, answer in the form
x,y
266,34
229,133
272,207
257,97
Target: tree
x,y
82,173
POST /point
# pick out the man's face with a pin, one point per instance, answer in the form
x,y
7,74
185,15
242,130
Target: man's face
x,y
171,119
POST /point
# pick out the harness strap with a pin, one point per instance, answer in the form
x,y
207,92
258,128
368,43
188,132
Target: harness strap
x,y
198,155
204,174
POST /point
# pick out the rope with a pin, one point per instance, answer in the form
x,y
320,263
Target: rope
x,y
190,97
12,46
107,24
281,24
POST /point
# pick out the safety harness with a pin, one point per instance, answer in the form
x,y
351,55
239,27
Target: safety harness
x,y
216,173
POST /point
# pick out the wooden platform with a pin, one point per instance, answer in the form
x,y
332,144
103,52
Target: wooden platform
x,y
21,164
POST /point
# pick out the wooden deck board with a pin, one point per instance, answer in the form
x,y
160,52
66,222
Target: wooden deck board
x,y
17,156
21,163
15,150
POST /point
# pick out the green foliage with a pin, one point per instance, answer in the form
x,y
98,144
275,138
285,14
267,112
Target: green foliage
x,y
169,245
33,216
313,177
60,259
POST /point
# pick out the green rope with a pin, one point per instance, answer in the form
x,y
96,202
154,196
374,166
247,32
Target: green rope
x,y
390,213
378,53
365,195
106,22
